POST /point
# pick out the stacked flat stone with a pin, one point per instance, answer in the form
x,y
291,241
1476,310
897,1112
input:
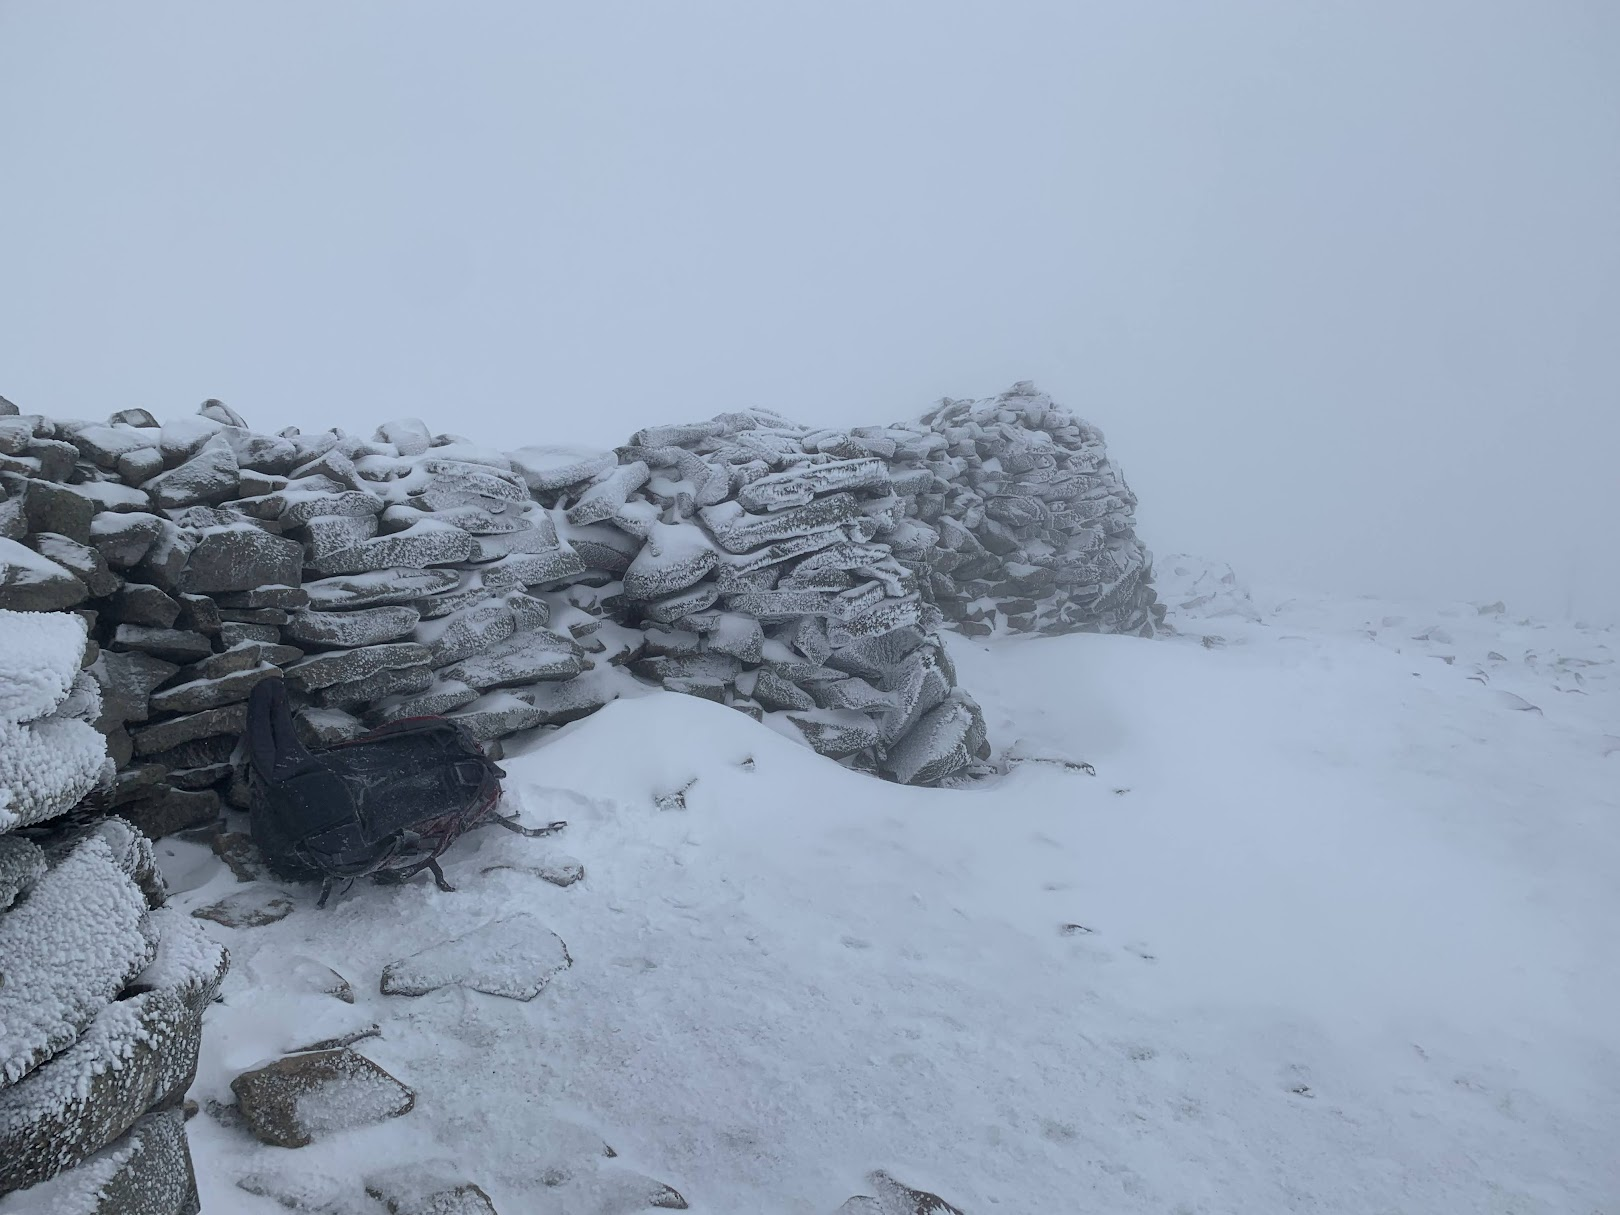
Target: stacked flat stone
x,y
800,575
752,557
102,990
1024,523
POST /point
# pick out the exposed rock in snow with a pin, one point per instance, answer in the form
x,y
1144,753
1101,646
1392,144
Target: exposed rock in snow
x,y
432,1189
293,1101
251,908
514,957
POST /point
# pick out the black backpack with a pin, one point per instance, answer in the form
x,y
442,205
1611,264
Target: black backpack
x,y
386,804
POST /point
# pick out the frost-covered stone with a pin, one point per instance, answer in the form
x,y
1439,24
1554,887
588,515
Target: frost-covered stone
x,y
80,560
147,1172
39,660
240,558
428,1190
138,603
378,588
124,539
351,629
495,715
46,768
514,957
467,631
202,694
393,681
30,582
295,1100
437,699
426,543
174,645
522,658
21,865
67,510
341,666
65,952
207,477
163,735
319,727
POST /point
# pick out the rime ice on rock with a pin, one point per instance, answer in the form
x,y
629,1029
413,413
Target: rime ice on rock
x,y
65,951
293,1101
39,659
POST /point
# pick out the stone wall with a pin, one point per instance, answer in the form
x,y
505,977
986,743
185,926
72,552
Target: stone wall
x,y
800,575
102,990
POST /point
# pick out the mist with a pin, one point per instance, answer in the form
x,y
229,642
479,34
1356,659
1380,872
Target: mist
x,y
1341,285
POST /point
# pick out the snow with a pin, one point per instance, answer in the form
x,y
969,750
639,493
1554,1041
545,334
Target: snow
x,y
40,653
1329,930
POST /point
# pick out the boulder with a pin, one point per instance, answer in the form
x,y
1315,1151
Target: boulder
x,y
21,865
523,658
64,509
137,1054
80,560
394,681
241,558
436,1189
326,727
137,603
32,583
207,477
293,1101
127,681
201,694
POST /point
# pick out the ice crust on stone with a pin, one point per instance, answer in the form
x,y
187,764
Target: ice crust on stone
x,y
40,655
66,951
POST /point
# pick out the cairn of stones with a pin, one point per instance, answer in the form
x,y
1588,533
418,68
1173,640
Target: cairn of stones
x,y
1026,525
102,989
152,573
800,575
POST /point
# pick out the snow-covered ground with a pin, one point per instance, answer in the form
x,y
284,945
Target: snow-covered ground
x,y
1332,928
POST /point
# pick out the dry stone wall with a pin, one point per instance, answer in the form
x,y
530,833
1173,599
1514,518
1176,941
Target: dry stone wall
x,y
102,989
800,575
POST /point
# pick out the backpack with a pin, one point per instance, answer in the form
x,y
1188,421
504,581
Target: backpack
x,y
386,804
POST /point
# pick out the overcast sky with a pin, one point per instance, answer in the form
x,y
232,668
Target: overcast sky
x,y
1340,282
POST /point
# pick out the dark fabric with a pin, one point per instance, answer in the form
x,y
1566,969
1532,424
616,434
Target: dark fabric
x,y
387,801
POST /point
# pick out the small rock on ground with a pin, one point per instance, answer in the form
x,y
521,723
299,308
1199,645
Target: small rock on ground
x,y
515,957
295,1100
